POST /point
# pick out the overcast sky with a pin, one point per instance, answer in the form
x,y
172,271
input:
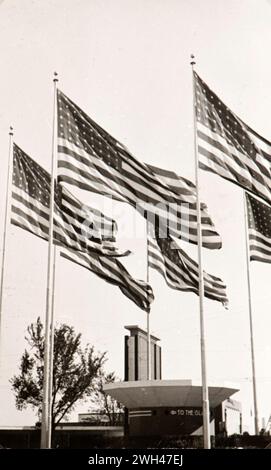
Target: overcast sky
x,y
126,63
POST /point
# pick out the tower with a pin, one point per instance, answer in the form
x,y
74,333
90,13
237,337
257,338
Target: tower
x,y
135,355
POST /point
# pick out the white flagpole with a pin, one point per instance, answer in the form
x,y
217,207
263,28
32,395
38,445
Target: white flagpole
x,y
6,223
51,376
256,417
205,394
49,330
149,312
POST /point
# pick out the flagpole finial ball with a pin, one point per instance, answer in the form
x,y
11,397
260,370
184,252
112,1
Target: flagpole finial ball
x,y
10,130
193,61
55,77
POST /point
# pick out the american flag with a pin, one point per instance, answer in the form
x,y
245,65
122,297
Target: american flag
x,y
185,188
179,270
228,147
90,158
76,225
259,229
112,270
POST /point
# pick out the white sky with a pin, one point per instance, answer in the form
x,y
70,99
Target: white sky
x,y
126,63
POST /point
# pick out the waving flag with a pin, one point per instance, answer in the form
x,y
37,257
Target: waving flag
x,y
180,271
228,147
259,229
90,158
76,225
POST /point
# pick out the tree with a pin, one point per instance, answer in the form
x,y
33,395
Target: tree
x,y
104,404
75,371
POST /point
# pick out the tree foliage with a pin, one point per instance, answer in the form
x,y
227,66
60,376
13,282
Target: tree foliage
x,y
103,403
75,371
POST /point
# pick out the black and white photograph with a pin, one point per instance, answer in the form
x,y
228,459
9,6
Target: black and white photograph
x,y
135,228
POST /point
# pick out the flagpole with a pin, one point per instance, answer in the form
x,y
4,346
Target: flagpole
x,y
205,394
256,417
46,420
51,376
148,312
7,206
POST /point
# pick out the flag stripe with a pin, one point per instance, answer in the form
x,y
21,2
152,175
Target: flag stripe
x,y
181,185
255,256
